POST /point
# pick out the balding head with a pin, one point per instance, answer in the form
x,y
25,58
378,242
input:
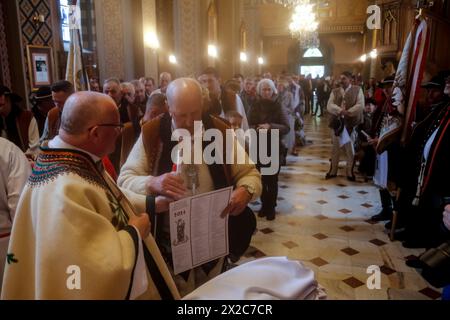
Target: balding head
x,y
185,100
85,109
90,121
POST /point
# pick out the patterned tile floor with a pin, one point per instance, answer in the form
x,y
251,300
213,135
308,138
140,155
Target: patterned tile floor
x,y
325,225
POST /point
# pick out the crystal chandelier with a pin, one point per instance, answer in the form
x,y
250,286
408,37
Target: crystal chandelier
x,y
304,25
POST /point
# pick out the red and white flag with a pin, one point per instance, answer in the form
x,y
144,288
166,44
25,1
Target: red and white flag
x,y
415,74
397,123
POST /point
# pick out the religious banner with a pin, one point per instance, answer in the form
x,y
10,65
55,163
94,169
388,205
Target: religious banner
x,y
75,71
397,122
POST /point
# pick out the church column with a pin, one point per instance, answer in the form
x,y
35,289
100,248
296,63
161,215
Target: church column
x,y
228,25
151,39
110,41
254,43
188,41
125,33
212,37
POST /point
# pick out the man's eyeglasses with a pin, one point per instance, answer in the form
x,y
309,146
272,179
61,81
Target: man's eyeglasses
x,y
120,126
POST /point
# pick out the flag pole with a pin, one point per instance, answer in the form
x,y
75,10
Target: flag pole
x,y
82,60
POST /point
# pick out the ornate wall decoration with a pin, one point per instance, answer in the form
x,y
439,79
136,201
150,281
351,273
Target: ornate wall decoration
x,y
4,61
32,33
188,42
113,38
359,28
39,34
252,22
389,36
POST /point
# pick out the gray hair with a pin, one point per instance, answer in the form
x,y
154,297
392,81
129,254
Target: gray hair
x,y
129,86
165,74
114,80
266,82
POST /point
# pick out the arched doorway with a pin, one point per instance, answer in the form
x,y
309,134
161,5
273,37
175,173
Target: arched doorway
x,y
309,61
312,63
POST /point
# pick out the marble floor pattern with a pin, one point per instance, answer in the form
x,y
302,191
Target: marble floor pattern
x,y
325,225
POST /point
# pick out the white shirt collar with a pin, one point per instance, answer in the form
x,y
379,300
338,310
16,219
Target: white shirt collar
x,y
349,86
58,143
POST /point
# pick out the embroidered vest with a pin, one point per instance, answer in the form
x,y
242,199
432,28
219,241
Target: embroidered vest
x,y
351,98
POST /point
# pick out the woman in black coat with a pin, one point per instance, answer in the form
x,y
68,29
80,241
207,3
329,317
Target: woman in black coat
x,y
268,114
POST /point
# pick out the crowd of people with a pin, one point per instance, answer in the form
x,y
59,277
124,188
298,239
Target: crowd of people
x,y
101,158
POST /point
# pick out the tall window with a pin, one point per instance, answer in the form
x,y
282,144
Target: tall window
x,y
87,20
64,8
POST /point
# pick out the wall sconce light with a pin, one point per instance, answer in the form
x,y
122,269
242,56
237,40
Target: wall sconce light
x,y
38,18
151,40
172,59
372,54
243,57
260,60
212,51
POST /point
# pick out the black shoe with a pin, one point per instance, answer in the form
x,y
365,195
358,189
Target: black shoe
x,y
415,244
399,225
261,213
415,263
330,176
401,235
352,178
384,215
270,216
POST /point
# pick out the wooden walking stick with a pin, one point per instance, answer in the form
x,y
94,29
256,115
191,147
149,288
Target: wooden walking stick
x,y
394,216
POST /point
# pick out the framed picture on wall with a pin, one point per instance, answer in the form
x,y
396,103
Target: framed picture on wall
x,y
40,66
